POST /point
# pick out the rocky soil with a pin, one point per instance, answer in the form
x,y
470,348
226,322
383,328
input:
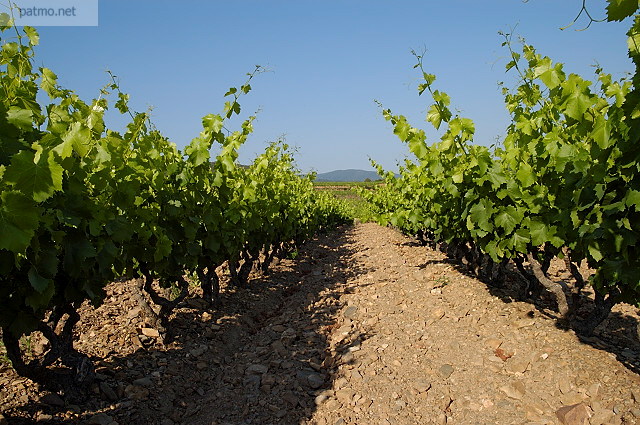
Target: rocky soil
x,y
363,327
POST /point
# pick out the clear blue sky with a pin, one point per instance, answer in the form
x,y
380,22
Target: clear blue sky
x,y
330,60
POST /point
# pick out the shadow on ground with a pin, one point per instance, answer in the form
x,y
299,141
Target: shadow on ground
x,y
261,358
618,334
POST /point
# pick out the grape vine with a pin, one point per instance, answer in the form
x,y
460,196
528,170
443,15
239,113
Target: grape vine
x,y
82,205
565,183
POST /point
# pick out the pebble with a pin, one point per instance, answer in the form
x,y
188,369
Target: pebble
x,y
515,390
571,398
437,314
344,395
400,404
44,417
144,382
309,378
422,385
347,357
100,419
256,369
108,391
564,386
150,332
493,343
332,404
197,352
523,323
593,390
320,399
134,313
602,417
446,371
252,381
290,398
52,400
484,403
350,312
3,420
315,381
136,392
516,365
365,402
577,414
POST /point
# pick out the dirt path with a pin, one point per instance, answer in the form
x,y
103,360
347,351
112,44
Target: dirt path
x,y
429,345
364,327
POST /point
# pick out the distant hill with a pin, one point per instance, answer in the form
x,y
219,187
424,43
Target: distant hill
x,y
347,176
